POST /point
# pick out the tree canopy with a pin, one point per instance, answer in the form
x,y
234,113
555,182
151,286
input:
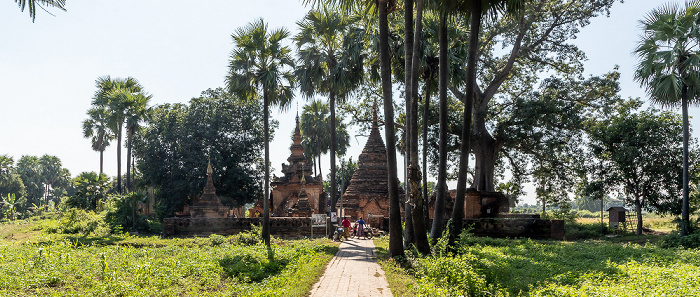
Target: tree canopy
x,y
172,149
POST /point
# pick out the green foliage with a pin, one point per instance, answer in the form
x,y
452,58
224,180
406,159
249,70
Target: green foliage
x,y
90,190
249,268
78,221
228,130
691,241
343,174
642,156
119,216
251,237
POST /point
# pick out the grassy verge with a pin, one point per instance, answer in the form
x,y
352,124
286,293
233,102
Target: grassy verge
x,y
400,281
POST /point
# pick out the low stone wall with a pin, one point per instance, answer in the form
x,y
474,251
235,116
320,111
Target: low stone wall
x,y
517,227
287,228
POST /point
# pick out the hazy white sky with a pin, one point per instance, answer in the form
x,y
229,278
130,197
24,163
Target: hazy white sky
x,y
177,49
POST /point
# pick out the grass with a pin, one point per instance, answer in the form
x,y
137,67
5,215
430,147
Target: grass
x,y
122,265
400,282
624,266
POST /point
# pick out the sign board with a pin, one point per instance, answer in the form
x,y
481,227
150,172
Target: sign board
x,y
334,217
318,220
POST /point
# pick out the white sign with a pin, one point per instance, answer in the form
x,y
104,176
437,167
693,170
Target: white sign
x,y
334,217
318,220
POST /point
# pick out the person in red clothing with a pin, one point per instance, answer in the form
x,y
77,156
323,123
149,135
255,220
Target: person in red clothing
x,y
346,227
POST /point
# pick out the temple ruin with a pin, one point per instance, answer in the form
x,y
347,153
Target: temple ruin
x,y
298,193
367,194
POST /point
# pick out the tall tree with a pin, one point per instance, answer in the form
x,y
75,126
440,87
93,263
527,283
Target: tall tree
x,y
172,149
330,64
259,68
60,4
96,127
50,173
642,155
412,44
316,134
117,96
10,181
476,9
135,114
669,68
29,169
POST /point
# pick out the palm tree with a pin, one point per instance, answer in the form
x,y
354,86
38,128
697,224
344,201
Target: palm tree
x,y
314,119
96,127
117,96
137,112
381,9
669,68
60,4
316,134
259,67
328,64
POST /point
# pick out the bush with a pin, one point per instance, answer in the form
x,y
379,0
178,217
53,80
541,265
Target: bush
x,y
251,237
78,221
575,230
119,216
692,241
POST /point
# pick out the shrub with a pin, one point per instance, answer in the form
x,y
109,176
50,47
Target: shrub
x,y
78,221
251,237
692,241
120,216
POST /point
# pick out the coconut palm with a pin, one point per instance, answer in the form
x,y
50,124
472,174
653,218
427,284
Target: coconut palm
x,y
96,127
260,68
116,96
669,68
329,64
60,4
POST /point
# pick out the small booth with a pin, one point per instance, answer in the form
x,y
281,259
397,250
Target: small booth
x,y
617,217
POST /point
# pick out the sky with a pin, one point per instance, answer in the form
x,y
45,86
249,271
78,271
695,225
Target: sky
x,y
177,49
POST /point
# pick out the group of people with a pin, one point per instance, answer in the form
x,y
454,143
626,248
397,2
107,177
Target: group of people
x,y
360,225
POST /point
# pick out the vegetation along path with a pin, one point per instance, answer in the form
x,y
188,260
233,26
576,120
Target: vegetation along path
x,y
353,272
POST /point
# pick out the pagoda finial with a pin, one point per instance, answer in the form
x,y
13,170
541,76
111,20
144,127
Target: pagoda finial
x,y
374,113
209,170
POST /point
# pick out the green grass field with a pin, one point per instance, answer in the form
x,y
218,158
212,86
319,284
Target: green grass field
x,y
37,264
521,267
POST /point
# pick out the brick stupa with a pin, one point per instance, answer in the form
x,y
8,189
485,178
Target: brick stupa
x,y
208,205
367,194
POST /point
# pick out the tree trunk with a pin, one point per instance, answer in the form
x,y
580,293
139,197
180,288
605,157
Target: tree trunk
x,y
486,154
102,153
638,206
458,210
439,211
129,133
266,198
331,98
119,160
414,168
426,111
685,216
409,231
395,240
